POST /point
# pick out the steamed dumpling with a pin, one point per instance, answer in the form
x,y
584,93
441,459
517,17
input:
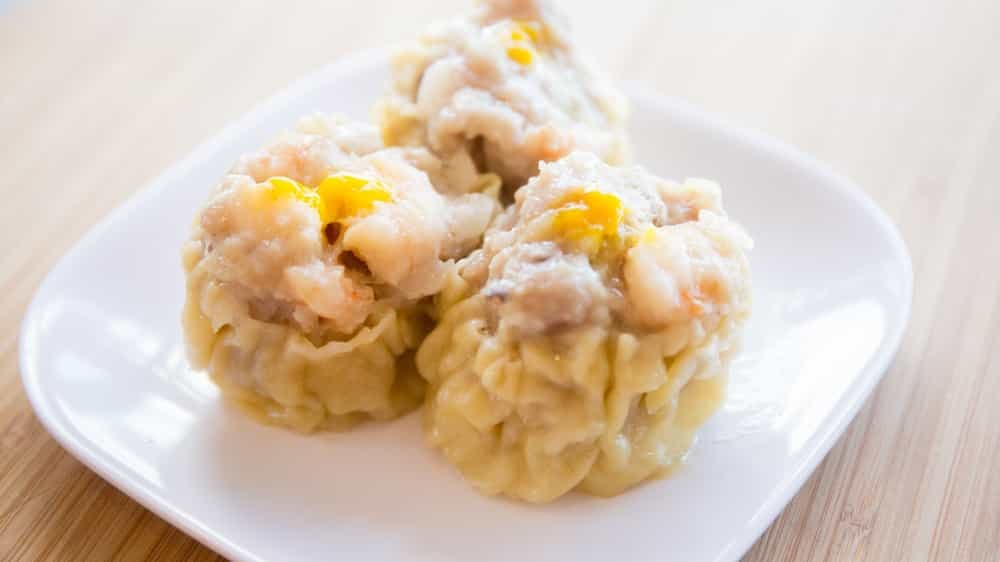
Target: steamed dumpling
x,y
588,339
306,270
499,91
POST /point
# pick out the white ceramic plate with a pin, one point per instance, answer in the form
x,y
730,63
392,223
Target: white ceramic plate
x,y
104,367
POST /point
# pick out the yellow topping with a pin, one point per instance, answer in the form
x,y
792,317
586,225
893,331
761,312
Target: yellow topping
x,y
280,187
533,29
649,235
521,55
589,218
524,36
336,198
347,195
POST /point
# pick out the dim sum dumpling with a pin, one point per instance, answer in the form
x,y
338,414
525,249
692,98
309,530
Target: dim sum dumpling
x,y
589,338
307,272
499,91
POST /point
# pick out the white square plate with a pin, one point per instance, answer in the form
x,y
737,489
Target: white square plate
x,y
103,364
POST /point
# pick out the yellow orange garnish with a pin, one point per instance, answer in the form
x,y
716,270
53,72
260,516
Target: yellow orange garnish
x,y
589,218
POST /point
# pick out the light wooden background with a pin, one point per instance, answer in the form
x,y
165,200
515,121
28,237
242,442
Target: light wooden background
x,y
902,95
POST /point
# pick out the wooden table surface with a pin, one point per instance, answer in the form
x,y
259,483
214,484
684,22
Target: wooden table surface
x,y
902,95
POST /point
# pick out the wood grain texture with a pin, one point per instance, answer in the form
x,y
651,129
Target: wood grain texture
x,y
902,95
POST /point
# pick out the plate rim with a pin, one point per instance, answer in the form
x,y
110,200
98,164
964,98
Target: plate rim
x,y
855,396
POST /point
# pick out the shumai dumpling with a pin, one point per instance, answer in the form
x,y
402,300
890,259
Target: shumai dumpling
x,y
306,272
499,91
590,337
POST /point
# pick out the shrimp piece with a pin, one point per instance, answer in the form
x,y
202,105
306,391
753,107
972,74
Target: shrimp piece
x,y
694,269
401,242
330,293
